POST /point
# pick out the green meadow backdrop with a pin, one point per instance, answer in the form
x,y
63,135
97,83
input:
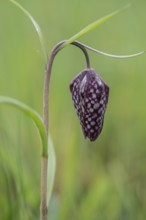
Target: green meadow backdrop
x,y
102,180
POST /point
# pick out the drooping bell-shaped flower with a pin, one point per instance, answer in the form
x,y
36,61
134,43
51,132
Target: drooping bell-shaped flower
x,y
90,97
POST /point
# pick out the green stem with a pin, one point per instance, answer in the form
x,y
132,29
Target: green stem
x,y
47,83
44,164
43,206
55,50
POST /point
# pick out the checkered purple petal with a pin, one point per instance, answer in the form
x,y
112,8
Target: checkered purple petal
x,y
90,96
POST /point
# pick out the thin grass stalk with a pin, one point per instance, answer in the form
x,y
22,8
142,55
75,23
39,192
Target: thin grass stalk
x,y
44,206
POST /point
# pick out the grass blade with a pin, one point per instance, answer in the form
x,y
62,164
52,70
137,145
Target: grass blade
x,y
113,55
94,25
33,115
36,26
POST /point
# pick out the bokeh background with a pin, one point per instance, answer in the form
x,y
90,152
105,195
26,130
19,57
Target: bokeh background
x,y
103,180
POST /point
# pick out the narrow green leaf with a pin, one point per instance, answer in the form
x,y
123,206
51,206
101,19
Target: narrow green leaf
x,y
113,55
36,26
33,115
51,169
94,25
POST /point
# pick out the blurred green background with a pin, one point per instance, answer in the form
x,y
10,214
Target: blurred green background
x,y
104,180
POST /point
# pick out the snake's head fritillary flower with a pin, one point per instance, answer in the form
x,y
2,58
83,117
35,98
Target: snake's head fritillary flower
x,y
90,96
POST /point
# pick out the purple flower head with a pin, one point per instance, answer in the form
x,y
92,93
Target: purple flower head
x,y
90,97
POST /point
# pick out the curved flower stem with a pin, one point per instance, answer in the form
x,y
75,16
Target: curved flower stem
x,y
78,44
55,50
46,84
44,160
44,163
